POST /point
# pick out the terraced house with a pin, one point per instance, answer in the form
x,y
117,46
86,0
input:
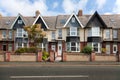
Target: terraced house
x,y
69,33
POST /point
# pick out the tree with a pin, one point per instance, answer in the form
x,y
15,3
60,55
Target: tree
x,y
35,34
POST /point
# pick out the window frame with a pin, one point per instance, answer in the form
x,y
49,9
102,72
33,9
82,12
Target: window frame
x,y
70,46
53,35
115,34
59,32
19,21
4,34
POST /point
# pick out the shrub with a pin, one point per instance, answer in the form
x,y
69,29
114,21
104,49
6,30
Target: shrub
x,y
26,50
87,50
45,55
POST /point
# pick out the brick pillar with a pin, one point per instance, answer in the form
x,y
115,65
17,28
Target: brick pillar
x,y
52,56
39,56
64,57
117,57
7,57
92,56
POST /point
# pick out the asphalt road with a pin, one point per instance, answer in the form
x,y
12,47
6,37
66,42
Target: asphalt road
x,y
85,72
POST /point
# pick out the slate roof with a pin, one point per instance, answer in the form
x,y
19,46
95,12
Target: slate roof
x,y
53,22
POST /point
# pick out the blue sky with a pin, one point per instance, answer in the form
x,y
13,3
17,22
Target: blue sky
x,y
58,7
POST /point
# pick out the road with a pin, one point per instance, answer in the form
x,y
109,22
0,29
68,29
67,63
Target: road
x,y
71,72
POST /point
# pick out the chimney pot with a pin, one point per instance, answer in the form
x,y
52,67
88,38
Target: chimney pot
x,y
37,13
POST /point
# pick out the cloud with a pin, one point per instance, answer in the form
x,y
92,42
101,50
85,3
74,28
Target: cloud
x,y
100,3
73,5
55,4
24,7
116,8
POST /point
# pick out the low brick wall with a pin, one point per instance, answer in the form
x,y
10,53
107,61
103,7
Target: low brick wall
x,y
23,58
82,57
77,57
1,58
105,58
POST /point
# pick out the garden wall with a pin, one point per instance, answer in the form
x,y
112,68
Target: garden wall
x,y
23,58
82,57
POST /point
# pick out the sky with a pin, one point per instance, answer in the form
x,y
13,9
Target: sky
x,y
58,7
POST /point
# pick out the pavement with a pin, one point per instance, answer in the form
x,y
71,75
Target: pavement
x,y
8,64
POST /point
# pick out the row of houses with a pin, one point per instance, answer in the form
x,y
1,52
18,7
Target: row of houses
x,y
69,33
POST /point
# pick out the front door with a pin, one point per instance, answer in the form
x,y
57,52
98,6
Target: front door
x,y
115,48
53,47
4,47
107,48
59,48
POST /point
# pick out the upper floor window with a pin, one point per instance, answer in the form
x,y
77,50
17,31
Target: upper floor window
x,y
21,32
72,31
60,33
94,31
73,20
53,35
107,34
115,34
19,21
4,34
10,35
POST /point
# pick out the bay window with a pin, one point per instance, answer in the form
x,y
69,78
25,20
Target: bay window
x,y
94,31
21,32
73,46
72,31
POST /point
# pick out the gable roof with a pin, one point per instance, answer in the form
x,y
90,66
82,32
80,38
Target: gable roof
x,y
98,16
39,16
111,21
73,14
19,15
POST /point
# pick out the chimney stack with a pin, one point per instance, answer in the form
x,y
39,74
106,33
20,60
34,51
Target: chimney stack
x,y
0,15
79,13
37,13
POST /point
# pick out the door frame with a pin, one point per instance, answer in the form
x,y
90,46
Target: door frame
x,y
59,47
107,49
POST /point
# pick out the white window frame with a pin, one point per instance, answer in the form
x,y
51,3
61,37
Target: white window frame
x,y
53,34
59,32
20,21
10,46
69,47
10,35
94,31
73,31
107,34
22,33
73,20
115,34
98,46
4,34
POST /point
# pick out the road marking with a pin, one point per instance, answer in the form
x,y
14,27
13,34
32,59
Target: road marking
x,y
64,76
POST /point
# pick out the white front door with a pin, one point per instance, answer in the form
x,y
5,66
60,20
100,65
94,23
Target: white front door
x,y
115,48
107,48
60,48
53,47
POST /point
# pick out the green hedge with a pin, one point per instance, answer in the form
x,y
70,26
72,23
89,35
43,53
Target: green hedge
x,y
26,50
